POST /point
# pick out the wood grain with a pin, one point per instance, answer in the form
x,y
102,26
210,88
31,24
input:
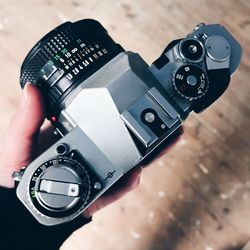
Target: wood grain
x,y
196,197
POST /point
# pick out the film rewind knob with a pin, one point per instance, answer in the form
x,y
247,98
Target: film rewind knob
x,y
59,188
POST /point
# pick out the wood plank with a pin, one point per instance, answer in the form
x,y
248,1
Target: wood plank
x,y
198,195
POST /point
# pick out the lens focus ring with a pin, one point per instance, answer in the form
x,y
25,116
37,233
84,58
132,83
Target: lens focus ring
x,y
43,51
64,58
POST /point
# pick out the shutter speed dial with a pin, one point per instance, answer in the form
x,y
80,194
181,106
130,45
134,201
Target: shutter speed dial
x,y
190,82
59,186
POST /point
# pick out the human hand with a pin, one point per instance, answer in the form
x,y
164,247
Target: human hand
x,y
25,140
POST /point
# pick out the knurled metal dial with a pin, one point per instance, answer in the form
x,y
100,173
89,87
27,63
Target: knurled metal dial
x,y
190,82
64,58
59,187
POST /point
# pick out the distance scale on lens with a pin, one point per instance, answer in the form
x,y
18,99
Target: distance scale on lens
x,y
64,58
59,187
71,63
190,81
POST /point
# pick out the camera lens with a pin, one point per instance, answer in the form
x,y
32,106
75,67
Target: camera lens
x,y
64,58
191,50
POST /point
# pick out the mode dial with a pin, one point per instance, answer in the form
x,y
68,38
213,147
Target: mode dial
x,y
190,82
59,186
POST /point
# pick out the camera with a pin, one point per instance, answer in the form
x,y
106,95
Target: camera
x,y
112,110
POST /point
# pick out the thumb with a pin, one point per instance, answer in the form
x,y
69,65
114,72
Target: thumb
x,y
21,135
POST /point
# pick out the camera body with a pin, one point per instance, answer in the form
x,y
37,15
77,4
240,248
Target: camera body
x,y
112,110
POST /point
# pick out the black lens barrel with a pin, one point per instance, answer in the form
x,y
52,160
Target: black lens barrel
x,y
65,57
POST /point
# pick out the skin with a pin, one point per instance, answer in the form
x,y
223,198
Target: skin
x,y
25,140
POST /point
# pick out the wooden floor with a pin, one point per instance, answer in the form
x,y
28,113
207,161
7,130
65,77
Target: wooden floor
x,y
196,197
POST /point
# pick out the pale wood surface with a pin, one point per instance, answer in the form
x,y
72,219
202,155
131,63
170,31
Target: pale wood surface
x,y
196,197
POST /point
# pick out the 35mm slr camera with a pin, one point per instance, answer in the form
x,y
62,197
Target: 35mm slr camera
x,y
112,109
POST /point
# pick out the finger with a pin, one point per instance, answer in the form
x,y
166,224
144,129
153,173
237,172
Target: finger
x,y
47,138
127,183
132,179
22,133
172,142
164,147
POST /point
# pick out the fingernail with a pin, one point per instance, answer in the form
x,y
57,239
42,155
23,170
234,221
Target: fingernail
x,y
25,95
178,132
139,169
139,176
138,181
135,183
